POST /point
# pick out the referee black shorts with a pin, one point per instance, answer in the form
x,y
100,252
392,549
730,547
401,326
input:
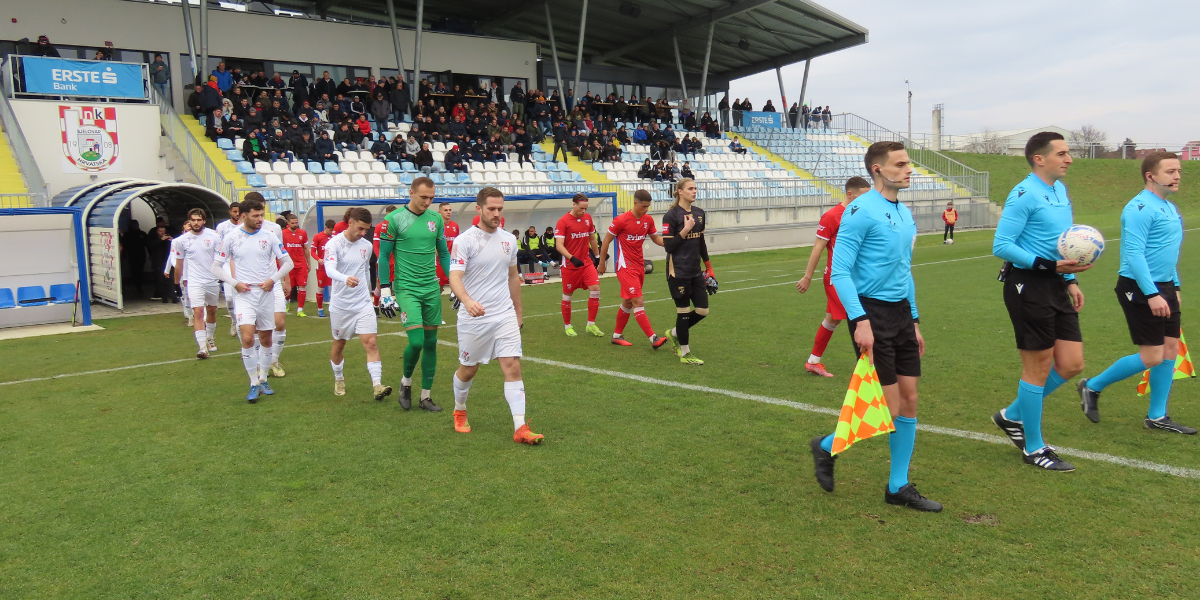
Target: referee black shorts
x,y
1040,309
896,349
1145,328
688,291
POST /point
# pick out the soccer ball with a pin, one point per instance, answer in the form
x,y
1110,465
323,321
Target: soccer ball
x,y
950,241
1081,242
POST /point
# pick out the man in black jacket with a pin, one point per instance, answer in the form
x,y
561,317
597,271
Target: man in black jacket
x,y
158,243
522,145
517,96
304,148
220,126
454,161
325,148
254,147
325,85
401,103
379,149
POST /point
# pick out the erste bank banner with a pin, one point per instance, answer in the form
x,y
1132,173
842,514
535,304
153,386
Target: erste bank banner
x,y
772,120
97,78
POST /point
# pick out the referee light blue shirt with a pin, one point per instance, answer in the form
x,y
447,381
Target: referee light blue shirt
x,y
1151,234
873,254
1034,215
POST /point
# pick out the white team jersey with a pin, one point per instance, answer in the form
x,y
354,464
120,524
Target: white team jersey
x,y
485,259
224,227
343,259
252,255
197,251
174,253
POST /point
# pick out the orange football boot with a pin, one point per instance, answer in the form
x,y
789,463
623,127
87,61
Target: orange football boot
x,y
524,436
460,422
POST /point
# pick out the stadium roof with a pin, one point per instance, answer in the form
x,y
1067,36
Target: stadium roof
x,y
750,36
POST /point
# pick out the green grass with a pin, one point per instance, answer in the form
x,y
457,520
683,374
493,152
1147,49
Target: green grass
x,y
161,482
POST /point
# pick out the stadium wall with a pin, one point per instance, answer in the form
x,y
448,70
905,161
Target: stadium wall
x,y
159,27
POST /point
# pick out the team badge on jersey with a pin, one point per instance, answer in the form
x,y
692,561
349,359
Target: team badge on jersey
x,y
432,226
363,252
403,318
506,246
264,244
207,243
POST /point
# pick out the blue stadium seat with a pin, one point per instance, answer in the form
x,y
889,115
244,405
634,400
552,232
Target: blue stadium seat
x,y
245,167
256,181
332,167
394,167
436,177
464,178
234,155
314,167
63,293
408,167
225,143
32,295
6,298
406,178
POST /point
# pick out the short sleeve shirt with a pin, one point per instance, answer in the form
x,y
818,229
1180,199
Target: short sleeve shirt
x,y
827,230
575,232
631,233
484,259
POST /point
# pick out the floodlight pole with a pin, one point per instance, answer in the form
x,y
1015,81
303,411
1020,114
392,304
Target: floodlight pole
x,y
417,56
203,36
396,40
189,33
804,85
579,52
909,110
679,63
782,94
562,94
712,26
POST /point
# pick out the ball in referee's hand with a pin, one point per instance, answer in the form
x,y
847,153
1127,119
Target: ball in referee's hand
x,y
1083,243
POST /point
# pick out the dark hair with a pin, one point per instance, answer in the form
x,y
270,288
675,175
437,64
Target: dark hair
x,y
641,196
233,205
580,197
1040,144
421,182
329,223
346,215
856,183
197,211
291,216
443,204
253,201
359,213
389,208
878,152
488,192
1150,163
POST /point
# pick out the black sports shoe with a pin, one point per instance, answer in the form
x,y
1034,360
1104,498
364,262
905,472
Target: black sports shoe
x,y
1048,460
427,404
405,396
1166,424
823,463
910,497
1089,401
1015,430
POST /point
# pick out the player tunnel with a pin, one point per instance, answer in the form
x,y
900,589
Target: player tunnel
x,y
110,206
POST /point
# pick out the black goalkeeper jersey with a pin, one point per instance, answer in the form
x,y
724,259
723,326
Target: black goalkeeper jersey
x,y
685,256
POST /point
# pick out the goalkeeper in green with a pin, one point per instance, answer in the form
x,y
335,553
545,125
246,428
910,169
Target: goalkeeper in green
x,y
414,241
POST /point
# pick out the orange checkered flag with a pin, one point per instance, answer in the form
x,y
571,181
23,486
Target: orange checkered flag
x,y
1183,367
864,413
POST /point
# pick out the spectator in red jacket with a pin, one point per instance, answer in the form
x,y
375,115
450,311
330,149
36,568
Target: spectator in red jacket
x,y
950,217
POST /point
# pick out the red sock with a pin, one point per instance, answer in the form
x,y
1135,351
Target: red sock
x,y
566,310
822,340
375,300
593,308
300,298
644,321
622,320
320,302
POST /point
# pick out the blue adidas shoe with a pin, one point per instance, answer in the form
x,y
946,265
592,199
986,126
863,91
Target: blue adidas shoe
x,y
320,312
265,388
252,397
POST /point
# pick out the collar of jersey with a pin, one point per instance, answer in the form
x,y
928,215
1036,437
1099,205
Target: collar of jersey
x,y
1147,196
1042,184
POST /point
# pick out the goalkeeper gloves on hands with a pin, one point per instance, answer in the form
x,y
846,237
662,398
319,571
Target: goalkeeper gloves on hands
x,y
576,262
454,302
710,284
387,303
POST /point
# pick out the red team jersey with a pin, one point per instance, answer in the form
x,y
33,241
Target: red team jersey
x,y
576,233
339,227
451,231
630,233
293,243
318,252
827,230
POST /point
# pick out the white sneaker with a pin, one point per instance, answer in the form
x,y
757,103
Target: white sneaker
x,y
233,330
339,387
191,319
212,345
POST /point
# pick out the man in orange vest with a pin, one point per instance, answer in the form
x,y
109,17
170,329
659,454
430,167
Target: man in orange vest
x,y
950,216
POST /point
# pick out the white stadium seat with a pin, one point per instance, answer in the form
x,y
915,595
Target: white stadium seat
x,y
378,167
280,167
308,180
391,179
341,179
363,167
273,180
348,167
291,180
325,179
262,167
358,179
298,167
374,179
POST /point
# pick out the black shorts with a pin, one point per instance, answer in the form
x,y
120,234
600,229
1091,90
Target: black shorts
x,y
896,349
688,291
1040,309
1145,328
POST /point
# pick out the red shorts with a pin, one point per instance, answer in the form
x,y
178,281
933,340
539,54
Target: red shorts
x,y
631,282
833,305
299,273
323,280
442,279
581,278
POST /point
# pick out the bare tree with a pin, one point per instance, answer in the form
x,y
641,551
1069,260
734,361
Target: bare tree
x,y
1088,141
986,142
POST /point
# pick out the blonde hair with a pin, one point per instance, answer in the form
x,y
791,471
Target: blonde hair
x,y
679,185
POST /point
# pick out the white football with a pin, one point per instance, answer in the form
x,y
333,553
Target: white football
x,y
1081,242
950,241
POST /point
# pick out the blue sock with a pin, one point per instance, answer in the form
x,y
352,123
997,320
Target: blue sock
x,y
901,442
1161,378
1125,367
1030,397
1013,412
827,443
1053,382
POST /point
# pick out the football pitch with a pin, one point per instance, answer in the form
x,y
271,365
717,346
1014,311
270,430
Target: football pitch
x,y
131,469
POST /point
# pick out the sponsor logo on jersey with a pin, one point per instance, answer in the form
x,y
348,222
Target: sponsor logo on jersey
x,y
580,235
403,318
666,229
207,243
636,238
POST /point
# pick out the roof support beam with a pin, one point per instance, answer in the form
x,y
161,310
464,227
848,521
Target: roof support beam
x,y
679,64
562,94
795,57
711,16
579,52
513,12
712,27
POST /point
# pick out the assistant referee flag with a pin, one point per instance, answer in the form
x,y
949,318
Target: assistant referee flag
x,y
1183,368
865,413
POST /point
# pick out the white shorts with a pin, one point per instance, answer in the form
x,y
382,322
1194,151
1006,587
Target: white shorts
x,y
229,293
198,295
280,299
345,325
255,307
493,338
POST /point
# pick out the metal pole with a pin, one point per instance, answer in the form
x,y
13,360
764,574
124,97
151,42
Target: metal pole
x,y
396,39
909,110
189,33
562,94
679,63
417,56
712,26
579,52
783,95
203,37
804,82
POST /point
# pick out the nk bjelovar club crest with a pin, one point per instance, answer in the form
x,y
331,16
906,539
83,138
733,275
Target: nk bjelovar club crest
x,y
89,138
505,246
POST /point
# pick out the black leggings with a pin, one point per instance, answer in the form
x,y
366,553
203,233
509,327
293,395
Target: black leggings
x,y
688,292
948,233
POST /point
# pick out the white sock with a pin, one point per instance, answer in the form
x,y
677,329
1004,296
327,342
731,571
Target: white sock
x,y
264,360
591,323
813,359
277,340
567,326
406,381
250,361
685,349
376,371
514,392
461,389
201,340
673,332
424,394
337,369
210,330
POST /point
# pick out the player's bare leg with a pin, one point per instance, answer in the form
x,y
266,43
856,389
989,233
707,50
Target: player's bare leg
x,y
824,333
275,344
203,330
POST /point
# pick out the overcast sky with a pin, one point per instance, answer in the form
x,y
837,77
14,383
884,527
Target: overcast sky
x,y
1128,67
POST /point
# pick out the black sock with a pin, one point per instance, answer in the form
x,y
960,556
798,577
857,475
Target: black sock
x,y
693,318
681,327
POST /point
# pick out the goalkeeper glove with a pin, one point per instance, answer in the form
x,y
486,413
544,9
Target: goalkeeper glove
x,y
387,303
454,302
576,262
710,283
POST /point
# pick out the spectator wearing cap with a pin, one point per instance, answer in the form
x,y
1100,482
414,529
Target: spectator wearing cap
x,y
224,78
379,149
44,48
254,119
279,146
210,97
299,85
454,161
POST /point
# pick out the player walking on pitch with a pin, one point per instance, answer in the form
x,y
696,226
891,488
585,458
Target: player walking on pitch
x,y
1041,294
1148,292
282,291
483,275
318,253
631,230
224,227
689,273
194,257
247,262
416,238
348,263
834,312
572,238
872,272
294,241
